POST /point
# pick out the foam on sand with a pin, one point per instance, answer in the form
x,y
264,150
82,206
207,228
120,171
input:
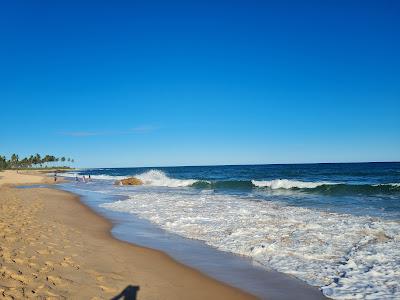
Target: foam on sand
x,y
347,256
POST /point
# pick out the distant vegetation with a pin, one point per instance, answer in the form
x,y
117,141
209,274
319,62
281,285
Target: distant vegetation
x,y
34,161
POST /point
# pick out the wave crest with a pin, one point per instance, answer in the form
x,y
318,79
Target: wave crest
x,y
333,188
287,184
156,177
159,178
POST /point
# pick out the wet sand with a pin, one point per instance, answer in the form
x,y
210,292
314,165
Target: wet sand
x,y
52,246
234,270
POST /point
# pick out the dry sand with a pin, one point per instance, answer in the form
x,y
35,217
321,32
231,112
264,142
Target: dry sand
x,y
9,177
54,247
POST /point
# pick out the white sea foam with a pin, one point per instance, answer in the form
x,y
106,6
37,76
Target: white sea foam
x,y
287,184
159,178
151,178
68,174
347,256
100,177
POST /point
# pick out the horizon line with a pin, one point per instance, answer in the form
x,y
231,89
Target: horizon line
x,y
256,164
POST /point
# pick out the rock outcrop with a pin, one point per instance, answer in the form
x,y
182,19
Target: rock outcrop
x,y
129,181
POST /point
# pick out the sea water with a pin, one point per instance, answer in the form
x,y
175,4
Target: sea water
x,y
334,226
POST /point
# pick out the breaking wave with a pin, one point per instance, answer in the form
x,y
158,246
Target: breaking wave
x,y
344,255
329,187
97,177
288,184
159,178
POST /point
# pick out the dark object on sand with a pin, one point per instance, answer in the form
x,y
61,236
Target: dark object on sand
x,y
129,181
129,293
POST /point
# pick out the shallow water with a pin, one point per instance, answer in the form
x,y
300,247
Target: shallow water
x,y
234,270
334,226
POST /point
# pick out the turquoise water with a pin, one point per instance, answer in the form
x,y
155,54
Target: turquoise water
x,y
360,188
334,226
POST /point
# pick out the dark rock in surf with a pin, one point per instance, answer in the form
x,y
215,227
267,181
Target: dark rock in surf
x,y
129,181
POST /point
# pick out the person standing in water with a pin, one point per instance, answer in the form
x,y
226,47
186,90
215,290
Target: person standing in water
x,y
55,176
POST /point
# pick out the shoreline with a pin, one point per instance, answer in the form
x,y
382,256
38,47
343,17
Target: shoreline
x,y
235,270
63,248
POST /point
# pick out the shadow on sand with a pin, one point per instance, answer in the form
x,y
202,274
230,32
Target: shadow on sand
x,y
129,293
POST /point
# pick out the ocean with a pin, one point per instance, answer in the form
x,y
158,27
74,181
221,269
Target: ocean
x,y
333,226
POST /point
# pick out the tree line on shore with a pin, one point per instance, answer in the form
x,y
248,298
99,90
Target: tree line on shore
x,y
33,161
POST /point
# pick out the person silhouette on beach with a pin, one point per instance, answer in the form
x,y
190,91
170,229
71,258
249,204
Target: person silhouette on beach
x,y
55,176
129,293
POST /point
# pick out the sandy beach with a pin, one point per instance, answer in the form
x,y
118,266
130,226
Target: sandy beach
x,y
54,247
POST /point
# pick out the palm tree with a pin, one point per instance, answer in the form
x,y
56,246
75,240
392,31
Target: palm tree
x,y
3,162
24,162
31,159
37,159
46,158
14,160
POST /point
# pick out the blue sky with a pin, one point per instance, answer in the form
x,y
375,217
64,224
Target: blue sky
x,y
125,83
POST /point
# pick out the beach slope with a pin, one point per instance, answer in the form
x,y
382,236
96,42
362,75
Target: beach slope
x,y
52,246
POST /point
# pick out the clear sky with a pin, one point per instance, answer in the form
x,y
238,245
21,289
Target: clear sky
x,y
141,83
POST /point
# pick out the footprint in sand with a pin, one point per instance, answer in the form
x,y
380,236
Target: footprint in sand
x,y
42,251
107,289
56,280
19,277
18,261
